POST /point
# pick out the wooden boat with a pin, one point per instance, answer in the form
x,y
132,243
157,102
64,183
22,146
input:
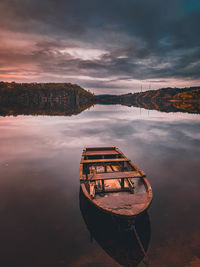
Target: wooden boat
x,y
113,183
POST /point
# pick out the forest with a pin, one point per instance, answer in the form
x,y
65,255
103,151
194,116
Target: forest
x,y
68,99
63,99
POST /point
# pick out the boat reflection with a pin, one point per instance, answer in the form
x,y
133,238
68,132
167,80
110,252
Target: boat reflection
x,y
116,236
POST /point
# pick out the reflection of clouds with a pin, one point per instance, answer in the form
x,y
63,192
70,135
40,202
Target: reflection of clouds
x,y
102,128
161,143
166,146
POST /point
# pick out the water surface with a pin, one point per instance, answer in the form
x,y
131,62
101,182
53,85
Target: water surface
x,y
41,221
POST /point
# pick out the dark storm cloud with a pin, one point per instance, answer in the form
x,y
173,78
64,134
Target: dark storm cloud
x,y
139,39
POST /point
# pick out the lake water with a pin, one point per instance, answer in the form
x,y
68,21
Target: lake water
x,y
41,222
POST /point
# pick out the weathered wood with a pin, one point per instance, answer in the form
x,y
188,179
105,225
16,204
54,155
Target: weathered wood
x,y
107,175
115,168
113,175
103,188
101,148
125,204
104,160
92,190
111,168
108,168
100,152
113,190
131,185
122,183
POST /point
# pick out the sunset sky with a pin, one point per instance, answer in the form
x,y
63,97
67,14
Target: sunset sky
x,y
105,46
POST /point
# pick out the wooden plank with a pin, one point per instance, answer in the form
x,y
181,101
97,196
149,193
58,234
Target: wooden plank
x,y
104,160
100,152
100,148
113,175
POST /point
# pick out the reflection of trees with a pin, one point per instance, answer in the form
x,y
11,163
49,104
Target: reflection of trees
x,y
43,99
44,108
166,100
66,99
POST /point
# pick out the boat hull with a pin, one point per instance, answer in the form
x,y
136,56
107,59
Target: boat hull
x,y
124,193
118,215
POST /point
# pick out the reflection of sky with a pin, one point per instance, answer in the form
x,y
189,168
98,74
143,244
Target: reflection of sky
x,y
39,161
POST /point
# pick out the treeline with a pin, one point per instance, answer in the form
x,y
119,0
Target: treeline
x,y
43,99
191,95
67,99
162,94
37,92
162,99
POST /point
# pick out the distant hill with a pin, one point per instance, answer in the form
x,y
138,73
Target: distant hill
x,y
165,99
40,91
66,99
43,99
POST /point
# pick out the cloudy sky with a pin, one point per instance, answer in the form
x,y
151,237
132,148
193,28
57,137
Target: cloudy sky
x,y
106,46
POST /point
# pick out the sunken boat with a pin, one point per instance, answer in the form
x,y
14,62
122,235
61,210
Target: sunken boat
x,y
113,183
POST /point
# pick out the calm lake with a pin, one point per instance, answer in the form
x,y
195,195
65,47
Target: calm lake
x,y
41,213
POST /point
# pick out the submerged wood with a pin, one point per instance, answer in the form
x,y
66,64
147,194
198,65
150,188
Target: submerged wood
x,y
113,183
